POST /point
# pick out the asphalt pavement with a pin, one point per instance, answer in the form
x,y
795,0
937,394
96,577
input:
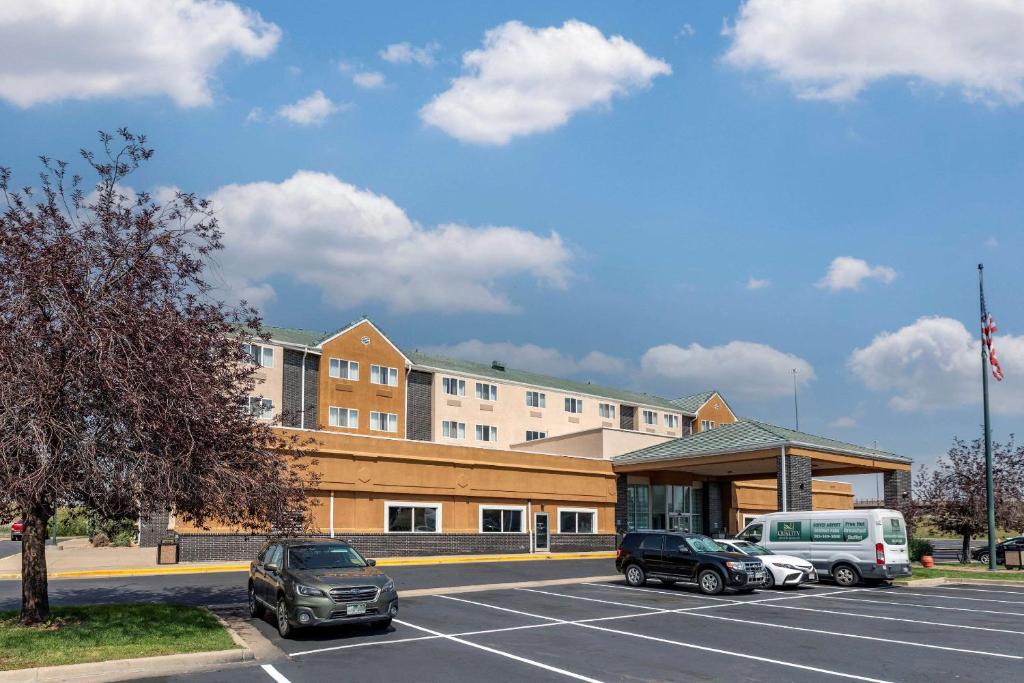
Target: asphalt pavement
x,y
8,547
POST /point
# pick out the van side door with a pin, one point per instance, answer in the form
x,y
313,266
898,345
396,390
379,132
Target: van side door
x,y
678,558
840,538
790,536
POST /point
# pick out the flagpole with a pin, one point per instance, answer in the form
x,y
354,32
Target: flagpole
x,y
989,483
796,406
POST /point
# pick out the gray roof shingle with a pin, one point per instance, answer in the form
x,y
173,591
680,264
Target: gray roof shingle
x,y
692,403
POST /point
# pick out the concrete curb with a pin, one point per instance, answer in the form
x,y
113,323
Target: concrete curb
x,y
127,669
950,581
382,562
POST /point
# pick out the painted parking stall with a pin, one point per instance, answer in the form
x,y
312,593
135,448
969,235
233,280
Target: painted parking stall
x,y
608,631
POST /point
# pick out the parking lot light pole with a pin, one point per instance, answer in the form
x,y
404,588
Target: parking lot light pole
x,y
989,483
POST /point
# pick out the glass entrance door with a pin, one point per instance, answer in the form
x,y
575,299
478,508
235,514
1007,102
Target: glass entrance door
x,y
541,534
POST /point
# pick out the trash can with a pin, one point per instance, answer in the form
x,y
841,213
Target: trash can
x,y
167,551
1013,556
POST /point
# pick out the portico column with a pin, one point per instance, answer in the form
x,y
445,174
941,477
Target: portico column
x,y
795,480
896,485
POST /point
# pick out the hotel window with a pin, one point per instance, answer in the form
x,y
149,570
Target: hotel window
x,y
454,387
486,392
486,433
576,521
413,518
384,422
705,425
262,408
262,356
344,369
574,405
535,399
672,421
606,410
533,436
496,520
343,417
650,417
380,374
453,430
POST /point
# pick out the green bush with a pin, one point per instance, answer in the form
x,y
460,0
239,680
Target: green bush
x,y
919,548
121,532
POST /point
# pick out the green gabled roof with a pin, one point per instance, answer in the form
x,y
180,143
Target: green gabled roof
x,y
692,403
747,435
544,381
294,335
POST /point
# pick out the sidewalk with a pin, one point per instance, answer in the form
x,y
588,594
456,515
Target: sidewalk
x,y
76,558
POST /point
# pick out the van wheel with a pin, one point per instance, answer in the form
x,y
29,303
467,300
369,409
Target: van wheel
x,y
845,575
710,582
255,607
635,575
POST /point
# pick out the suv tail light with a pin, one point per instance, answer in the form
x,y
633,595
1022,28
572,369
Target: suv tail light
x,y
618,554
879,553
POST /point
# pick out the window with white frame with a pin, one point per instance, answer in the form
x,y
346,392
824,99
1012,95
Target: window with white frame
x,y
577,521
672,421
344,369
606,410
415,518
343,417
451,429
453,386
262,408
535,399
486,392
380,374
533,435
705,425
650,418
261,355
486,433
574,405
496,519
383,422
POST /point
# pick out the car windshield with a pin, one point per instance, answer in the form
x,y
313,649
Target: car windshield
x,y
748,548
703,544
324,557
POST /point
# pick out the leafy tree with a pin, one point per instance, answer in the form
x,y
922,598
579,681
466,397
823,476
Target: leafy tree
x,y
123,382
952,495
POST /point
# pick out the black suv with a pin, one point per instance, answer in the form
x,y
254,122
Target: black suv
x,y
690,558
981,554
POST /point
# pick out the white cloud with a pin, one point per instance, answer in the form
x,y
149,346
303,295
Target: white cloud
x,y
52,50
309,111
846,272
739,368
755,283
405,53
542,359
834,49
845,422
368,80
935,363
687,30
992,242
255,115
357,246
526,80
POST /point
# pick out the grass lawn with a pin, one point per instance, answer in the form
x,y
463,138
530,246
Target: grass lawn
x,y
978,574
96,633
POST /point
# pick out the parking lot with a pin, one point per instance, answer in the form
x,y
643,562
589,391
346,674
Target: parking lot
x,y
610,632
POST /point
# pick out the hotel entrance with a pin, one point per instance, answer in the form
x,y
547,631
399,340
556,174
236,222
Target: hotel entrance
x,y
665,507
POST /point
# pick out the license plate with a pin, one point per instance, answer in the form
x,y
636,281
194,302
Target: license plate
x,y
355,609
758,575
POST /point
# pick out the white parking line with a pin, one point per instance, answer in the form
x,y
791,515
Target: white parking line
x,y
275,674
704,648
727,601
917,604
978,590
690,612
910,621
963,597
509,655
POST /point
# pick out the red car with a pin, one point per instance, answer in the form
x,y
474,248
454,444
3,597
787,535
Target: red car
x,y
16,528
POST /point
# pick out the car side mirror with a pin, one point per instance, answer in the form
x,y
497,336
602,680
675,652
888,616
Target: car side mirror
x,y
371,563
271,567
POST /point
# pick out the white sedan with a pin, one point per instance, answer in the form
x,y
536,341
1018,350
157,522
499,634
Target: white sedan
x,y
783,570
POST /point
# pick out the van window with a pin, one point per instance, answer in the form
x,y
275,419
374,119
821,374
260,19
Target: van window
x,y
653,542
893,532
790,531
753,533
839,530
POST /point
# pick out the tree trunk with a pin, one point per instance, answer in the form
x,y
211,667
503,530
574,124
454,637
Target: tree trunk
x,y
965,550
35,599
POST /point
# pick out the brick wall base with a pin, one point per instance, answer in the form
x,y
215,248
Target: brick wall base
x,y
227,547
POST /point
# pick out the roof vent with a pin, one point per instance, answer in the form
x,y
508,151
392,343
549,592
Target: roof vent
x,y
498,365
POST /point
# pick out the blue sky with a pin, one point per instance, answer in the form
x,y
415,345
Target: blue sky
x,y
622,242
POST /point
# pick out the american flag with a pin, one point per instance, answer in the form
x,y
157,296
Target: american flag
x,y
988,328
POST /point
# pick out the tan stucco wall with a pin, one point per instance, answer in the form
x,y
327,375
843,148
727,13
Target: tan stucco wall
x,y
514,418
594,443
759,496
270,381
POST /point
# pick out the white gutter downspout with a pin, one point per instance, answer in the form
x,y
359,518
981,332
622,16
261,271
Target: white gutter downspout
x,y
302,416
782,478
332,514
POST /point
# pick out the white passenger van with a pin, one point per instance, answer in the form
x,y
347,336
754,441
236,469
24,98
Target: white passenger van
x,y
848,545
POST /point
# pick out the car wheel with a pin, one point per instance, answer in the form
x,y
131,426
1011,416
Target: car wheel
x,y
284,627
983,558
635,575
845,575
769,579
255,606
710,582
